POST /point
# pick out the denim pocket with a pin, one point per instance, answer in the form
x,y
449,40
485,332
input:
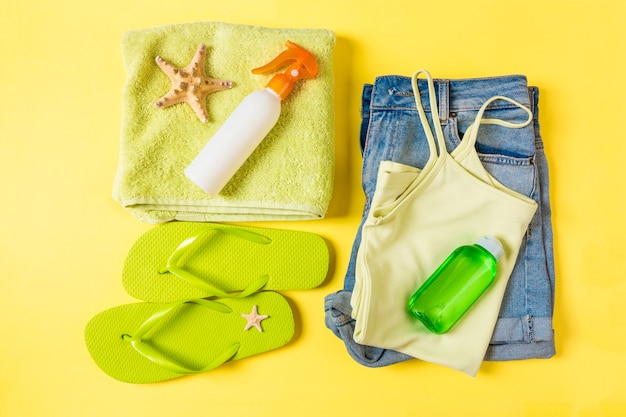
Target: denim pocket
x,y
500,140
517,174
409,146
394,135
506,153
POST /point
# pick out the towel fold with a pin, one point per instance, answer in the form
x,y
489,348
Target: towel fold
x,y
288,177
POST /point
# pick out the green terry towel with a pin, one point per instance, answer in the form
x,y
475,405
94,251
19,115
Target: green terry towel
x,y
288,177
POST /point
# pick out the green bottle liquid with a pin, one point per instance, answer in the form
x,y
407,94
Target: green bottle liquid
x,y
458,282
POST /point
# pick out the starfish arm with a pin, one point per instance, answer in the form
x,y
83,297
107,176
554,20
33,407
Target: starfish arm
x,y
196,66
211,85
257,324
198,104
172,97
167,68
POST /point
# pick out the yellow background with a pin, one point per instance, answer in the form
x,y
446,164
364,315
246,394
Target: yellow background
x,y
63,239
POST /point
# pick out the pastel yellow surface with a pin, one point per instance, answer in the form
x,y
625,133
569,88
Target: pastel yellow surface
x,y
63,239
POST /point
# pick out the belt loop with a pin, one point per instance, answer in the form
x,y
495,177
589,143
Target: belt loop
x,y
534,101
444,100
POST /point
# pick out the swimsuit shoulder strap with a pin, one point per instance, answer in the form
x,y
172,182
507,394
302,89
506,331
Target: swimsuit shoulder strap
x,y
439,148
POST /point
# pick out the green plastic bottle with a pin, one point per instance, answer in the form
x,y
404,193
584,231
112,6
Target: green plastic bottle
x,y
456,284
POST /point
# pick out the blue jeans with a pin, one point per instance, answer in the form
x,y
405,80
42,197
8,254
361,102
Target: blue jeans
x,y
516,159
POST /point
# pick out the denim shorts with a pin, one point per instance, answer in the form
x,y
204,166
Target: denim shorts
x,y
517,160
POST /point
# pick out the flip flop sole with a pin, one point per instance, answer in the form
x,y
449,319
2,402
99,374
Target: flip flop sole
x,y
293,260
190,335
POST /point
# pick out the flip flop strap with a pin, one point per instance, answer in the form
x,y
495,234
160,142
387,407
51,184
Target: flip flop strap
x,y
160,359
172,267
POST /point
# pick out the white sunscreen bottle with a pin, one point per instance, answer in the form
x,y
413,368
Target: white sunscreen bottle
x,y
250,122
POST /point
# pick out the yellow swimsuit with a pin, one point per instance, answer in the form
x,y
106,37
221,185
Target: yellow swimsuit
x,y
418,217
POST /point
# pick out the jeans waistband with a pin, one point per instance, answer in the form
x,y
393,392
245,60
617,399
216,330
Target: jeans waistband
x,y
396,92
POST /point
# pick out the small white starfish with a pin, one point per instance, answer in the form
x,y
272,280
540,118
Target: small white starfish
x,y
254,319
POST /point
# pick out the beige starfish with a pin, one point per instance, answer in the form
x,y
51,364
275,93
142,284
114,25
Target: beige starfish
x,y
254,319
190,84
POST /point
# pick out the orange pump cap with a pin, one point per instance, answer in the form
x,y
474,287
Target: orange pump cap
x,y
302,66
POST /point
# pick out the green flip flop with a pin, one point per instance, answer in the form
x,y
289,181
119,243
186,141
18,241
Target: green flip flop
x,y
151,342
184,260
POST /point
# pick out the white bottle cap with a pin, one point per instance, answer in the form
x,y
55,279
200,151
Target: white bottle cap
x,y
492,245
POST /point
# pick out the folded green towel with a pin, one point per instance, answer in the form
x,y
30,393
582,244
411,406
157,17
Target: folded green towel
x,y
288,177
